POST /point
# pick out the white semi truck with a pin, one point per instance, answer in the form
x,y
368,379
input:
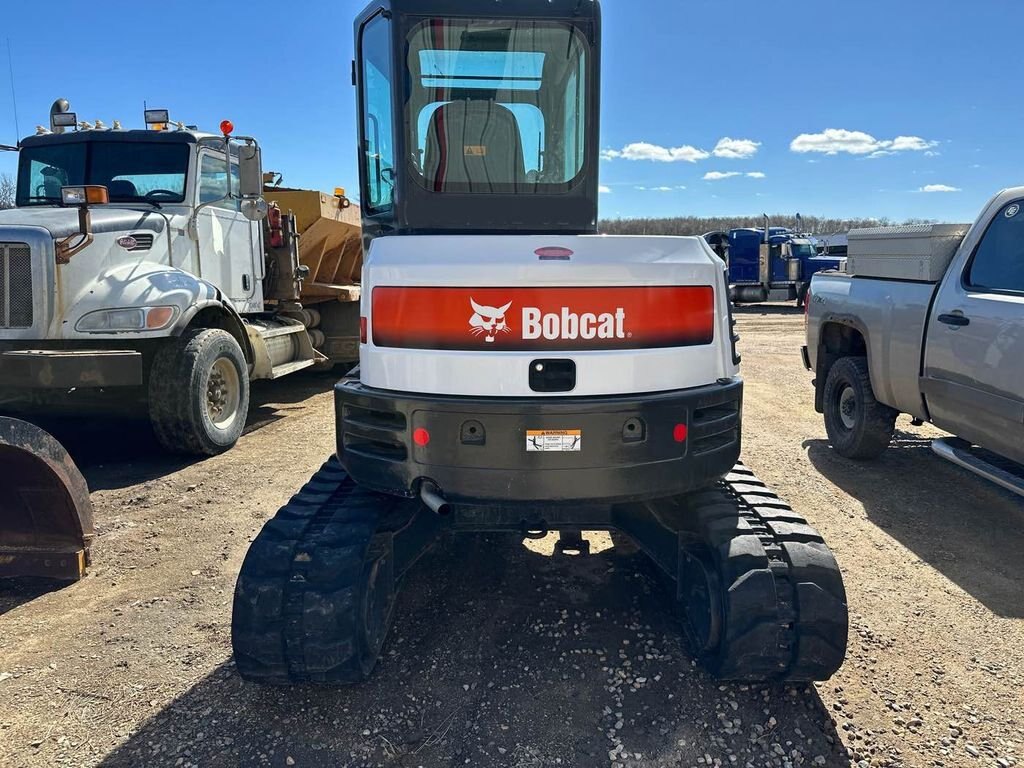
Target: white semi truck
x,y
142,264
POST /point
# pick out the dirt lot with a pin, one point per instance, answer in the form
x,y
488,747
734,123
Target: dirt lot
x,y
505,656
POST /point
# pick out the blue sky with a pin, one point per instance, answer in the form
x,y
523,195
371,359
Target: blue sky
x,y
840,109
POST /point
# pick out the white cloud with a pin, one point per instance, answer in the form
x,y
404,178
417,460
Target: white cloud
x,y
938,188
911,144
642,189
604,190
642,150
735,149
717,175
832,141
681,186
662,189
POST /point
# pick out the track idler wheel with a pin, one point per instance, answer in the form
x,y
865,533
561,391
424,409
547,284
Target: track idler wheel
x,y
46,518
762,597
315,595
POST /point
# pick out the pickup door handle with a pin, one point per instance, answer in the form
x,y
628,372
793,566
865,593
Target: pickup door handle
x,y
957,321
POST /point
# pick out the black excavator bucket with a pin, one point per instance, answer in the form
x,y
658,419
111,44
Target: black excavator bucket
x,y
46,518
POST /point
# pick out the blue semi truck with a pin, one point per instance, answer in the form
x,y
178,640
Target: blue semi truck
x,y
769,263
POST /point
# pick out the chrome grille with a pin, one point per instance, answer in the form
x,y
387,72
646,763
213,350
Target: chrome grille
x,y
143,241
15,285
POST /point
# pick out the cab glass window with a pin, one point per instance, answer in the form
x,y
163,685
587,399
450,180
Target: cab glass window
x,y
998,262
496,106
378,123
213,182
131,171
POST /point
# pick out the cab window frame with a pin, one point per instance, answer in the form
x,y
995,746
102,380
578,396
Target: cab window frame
x,y
223,202
967,282
554,155
376,206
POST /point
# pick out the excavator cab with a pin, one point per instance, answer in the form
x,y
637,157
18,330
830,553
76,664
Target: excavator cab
x,y
479,117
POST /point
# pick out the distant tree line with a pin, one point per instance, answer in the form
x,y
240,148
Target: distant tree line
x,y
7,190
698,225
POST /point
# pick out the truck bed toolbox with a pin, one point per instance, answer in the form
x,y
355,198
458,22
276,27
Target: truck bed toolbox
x,y
915,252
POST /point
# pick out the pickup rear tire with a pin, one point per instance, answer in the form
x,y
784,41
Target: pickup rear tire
x,y
199,393
858,426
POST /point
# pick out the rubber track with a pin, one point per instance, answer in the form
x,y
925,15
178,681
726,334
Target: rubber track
x,y
296,615
784,606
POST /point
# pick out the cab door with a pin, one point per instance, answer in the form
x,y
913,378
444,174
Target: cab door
x,y
225,237
974,355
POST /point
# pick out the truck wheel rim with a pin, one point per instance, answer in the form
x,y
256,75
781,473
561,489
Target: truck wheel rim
x,y
223,393
848,407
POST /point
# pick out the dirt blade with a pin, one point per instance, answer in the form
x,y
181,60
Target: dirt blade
x,y
315,594
46,518
762,596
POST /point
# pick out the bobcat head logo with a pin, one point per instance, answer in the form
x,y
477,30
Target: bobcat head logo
x,y
489,321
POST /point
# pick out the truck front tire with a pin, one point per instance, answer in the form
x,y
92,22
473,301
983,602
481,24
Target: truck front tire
x,y
199,393
858,426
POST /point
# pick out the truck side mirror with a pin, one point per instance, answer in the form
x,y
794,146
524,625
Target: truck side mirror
x,y
250,182
254,208
250,171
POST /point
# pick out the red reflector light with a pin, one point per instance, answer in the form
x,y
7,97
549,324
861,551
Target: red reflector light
x,y
679,433
421,437
227,127
362,330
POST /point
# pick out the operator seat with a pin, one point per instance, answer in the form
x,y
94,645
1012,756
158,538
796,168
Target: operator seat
x,y
475,145
122,189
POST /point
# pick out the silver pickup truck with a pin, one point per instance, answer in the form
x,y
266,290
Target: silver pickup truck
x,y
928,321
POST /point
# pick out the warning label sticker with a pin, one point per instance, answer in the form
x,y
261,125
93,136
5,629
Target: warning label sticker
x,y
554,439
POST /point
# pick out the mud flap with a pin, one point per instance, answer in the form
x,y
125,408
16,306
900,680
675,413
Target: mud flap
x,y
46,518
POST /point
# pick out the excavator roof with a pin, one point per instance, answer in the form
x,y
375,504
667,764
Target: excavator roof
x,y
502,9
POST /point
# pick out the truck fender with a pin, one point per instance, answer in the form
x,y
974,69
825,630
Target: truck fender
x,y
840,336
217,312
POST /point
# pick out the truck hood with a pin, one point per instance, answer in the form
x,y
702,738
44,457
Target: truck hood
x,y
62,222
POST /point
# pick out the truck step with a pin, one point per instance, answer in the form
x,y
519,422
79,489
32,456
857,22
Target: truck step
x,y
292,367
990,466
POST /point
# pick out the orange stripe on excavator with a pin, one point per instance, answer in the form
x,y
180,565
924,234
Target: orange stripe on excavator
x,y
548,318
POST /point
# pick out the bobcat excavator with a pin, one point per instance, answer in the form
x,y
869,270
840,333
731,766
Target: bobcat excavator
x,y
520,373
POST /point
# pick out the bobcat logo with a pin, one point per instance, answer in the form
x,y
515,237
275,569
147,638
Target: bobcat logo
x,y
489,321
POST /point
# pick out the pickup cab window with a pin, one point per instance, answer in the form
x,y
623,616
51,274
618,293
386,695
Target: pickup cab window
x,y
998,262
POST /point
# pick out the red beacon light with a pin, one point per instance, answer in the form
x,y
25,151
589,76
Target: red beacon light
x,y
227,127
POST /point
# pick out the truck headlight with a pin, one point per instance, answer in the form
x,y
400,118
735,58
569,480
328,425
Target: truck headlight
x,y
121,320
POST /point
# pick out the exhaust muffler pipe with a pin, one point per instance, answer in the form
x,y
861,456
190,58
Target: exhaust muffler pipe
x,y
431,496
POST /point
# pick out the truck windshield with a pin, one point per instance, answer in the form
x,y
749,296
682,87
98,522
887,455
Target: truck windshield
x,y
496,106
803,250
131,171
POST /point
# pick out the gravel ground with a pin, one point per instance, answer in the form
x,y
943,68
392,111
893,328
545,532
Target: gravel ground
x,y
504,655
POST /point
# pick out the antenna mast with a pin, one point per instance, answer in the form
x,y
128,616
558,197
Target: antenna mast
x,y
14,97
